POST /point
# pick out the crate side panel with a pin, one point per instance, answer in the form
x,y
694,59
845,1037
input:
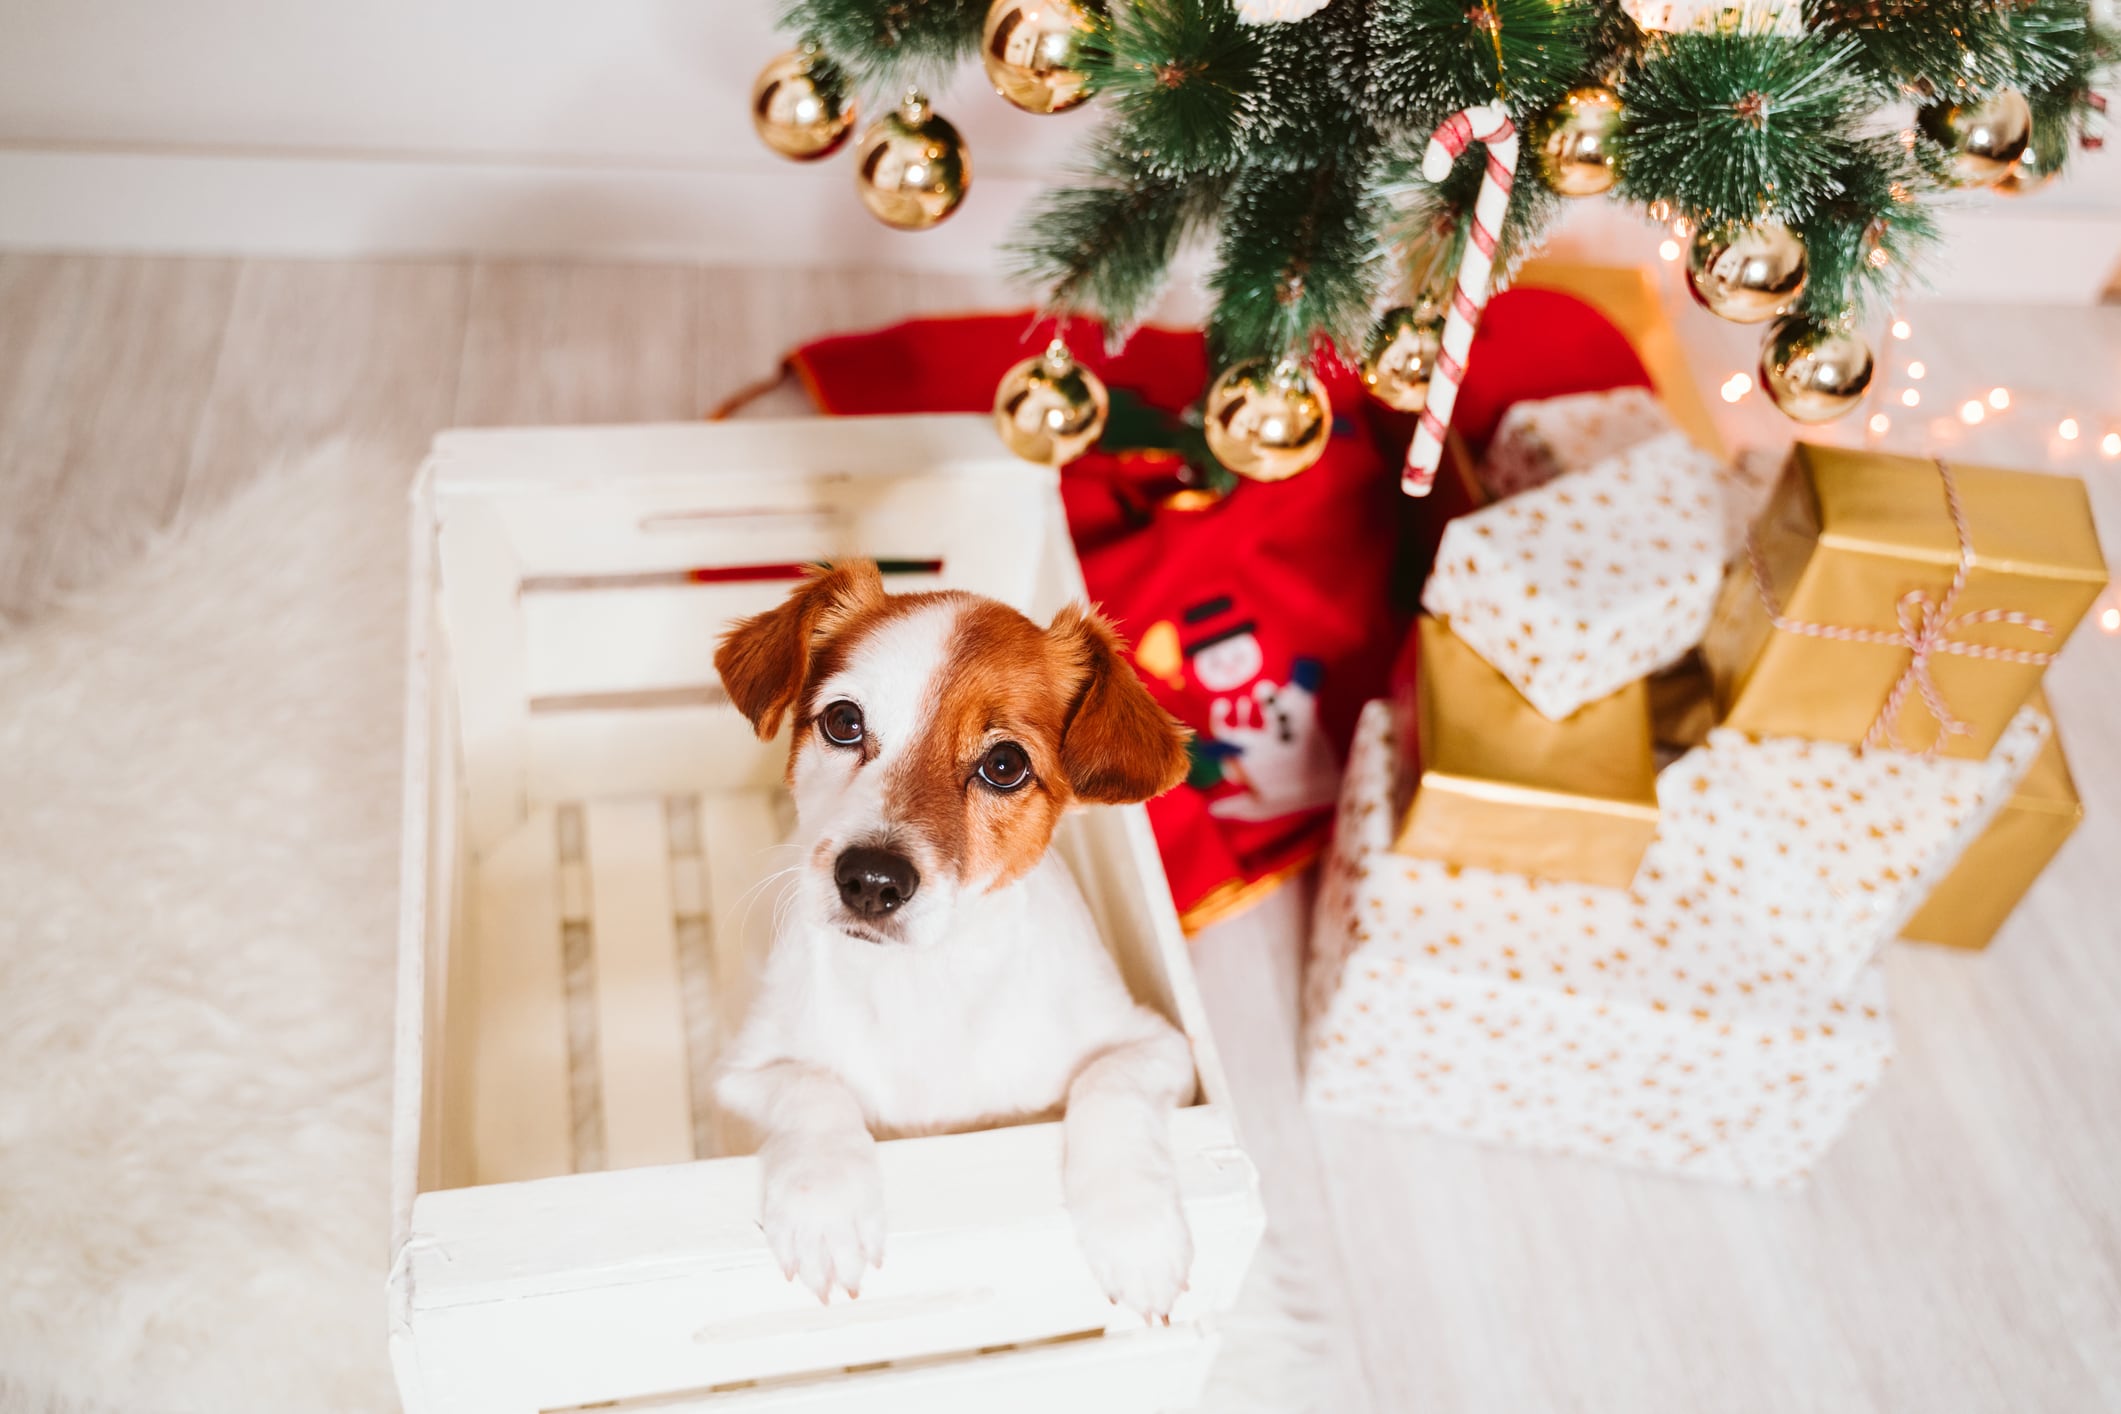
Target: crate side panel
x,y
479,584
517,1240
423,907
941,1292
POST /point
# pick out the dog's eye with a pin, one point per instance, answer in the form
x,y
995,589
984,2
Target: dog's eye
x,y
841,722
1005,766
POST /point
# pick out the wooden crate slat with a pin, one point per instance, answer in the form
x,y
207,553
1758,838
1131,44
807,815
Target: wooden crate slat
x,y
580,641
740,838
1148,1372
640,1023
521,1118
646,751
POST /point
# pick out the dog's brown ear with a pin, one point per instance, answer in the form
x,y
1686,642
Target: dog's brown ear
x,y
763,660
1118,745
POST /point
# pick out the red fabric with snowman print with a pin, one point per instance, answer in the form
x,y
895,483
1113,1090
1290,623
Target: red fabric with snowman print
x,y
1265,620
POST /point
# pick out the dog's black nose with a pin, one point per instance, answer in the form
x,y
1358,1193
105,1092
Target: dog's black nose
x,y
874,882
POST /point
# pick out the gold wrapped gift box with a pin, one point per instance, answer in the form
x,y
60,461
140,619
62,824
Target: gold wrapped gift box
x,y
1849,542
1999,867
1498,786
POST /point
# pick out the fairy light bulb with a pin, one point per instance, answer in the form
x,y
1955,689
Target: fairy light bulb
x,y
1911,399
1999,398
2110,619
1737,386
1879,422
1972,412
1901,329
2067,429
1668,249
2110,445
1917,369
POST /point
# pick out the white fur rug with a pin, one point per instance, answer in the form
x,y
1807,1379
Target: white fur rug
x,y
198,838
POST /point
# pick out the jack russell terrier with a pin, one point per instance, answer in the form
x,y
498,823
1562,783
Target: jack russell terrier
x,y
937,968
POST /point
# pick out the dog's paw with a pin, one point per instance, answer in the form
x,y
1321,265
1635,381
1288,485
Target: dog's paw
x,y
1133,1230
823,1210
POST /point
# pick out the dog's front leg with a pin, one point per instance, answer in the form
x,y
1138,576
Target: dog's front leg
x,y
822,1191
1121,1183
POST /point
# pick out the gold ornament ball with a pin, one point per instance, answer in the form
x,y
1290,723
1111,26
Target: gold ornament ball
x,y
1984,138
1267,421
911,167
2028,175
1033,49
1049,409
1814,372
1399,356
1746,274
800,108
1575,141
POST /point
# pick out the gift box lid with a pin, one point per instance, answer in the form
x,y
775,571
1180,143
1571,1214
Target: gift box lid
x,y
1476,729
2021,523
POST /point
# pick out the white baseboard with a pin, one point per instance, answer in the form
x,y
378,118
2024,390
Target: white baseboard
x,y
359,206
2033,250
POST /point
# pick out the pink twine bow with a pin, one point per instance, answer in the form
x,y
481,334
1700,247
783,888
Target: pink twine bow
x,y
1927,628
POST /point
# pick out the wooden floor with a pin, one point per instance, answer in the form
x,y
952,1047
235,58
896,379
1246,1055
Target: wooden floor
x,y
1961,1249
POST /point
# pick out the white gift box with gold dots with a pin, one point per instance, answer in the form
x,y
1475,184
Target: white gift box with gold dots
x,y
1542,438
1578,587
1834,849
1646,1025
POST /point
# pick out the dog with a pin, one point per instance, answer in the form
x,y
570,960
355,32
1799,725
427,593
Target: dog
x,y
935,968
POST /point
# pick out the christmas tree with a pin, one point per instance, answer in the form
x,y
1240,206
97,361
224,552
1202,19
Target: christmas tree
x,y
1803,148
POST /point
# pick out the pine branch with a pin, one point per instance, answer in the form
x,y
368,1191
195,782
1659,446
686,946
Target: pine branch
x,y
1312,72
887,46
1182,79
1104,248
1434,57
1731,127
1299,258
1862,245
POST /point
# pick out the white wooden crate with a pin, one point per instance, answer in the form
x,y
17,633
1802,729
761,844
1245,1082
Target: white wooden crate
x,y
588,834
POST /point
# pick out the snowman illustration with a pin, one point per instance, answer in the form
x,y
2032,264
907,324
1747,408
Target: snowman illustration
x,y
1263,736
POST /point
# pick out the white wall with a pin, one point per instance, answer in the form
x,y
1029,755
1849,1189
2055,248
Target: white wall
x,y
604,127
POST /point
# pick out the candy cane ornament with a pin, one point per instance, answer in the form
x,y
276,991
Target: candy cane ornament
x,y
1489,126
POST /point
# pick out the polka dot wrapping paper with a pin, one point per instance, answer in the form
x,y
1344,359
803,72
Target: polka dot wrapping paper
x,y
1539,440
1579,587
1833,849
1665,1026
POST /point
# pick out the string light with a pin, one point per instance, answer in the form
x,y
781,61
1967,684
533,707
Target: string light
x,y
1911,399
1999,398
1737,386
1669,250
1879,422
1879,259
2067,429
1901,329
2110,619
1972,412
2110,445
1682,228
1917,369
